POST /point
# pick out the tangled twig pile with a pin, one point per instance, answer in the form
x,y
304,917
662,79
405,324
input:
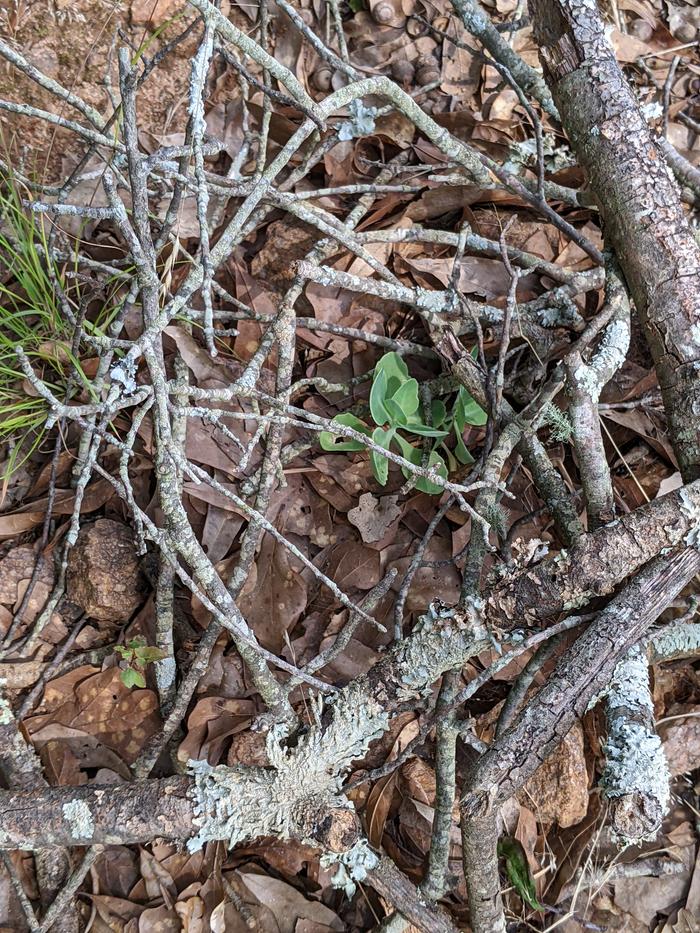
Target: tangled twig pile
x,y
163,297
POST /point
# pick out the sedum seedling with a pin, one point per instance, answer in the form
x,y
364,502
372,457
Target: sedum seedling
x,y
394,404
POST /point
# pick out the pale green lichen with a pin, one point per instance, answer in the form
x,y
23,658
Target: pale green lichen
x,y
676,641
352,866
635,763
302,785
79,817
690,508
6,714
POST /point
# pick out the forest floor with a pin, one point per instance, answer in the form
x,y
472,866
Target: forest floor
x,y
89,709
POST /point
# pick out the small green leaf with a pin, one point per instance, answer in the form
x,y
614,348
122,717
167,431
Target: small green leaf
x,y
131,678
395,412
378,393
406,397
395,371
149,654
336,442
415,456
461,452
417,427
356,5
518,870
470,412
380,465
439,412
425,485
124,651
449,458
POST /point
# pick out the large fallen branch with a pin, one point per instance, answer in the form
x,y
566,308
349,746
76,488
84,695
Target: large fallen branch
x,y
643,219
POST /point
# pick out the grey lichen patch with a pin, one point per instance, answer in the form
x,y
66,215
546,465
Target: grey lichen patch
x,y
79,817
635,764
6,715
690,508
294,797
629,687
676,641
361,122
635,761
165,671
447,636
352,866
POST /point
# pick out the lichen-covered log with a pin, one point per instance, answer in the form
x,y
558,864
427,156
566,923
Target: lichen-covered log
x,y
298,796
600,562
636,777
643,219
584,671
111,814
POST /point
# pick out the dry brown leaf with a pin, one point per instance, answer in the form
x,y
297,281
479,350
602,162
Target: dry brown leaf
x,y
287,905
102,706
279,597
375,518
29,516
210,724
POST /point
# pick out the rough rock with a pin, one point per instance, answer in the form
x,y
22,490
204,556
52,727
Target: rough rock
x,y
103,575
558,790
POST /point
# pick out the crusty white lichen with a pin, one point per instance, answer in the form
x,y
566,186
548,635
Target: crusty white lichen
x,y
165,670
352,866
675,641
635,763
79,817
6,714
290,798
629,686
608,358
690,508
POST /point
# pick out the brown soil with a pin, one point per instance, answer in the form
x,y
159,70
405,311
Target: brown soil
x,y
74,42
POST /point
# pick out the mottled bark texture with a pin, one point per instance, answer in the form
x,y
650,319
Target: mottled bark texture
x,y
80,816
396,888
643,220
584,670
601,561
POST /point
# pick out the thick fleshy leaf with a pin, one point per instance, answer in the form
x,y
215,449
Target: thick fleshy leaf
x,y
470,411
380,465
415,456
425,485
439,412
397,415
394,370
336,442
377,396
406,397
461,452
417,427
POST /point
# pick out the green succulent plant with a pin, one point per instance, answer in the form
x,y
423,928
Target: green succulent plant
x,y
394,405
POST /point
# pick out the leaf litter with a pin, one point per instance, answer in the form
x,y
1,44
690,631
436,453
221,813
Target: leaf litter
x,y
88,725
